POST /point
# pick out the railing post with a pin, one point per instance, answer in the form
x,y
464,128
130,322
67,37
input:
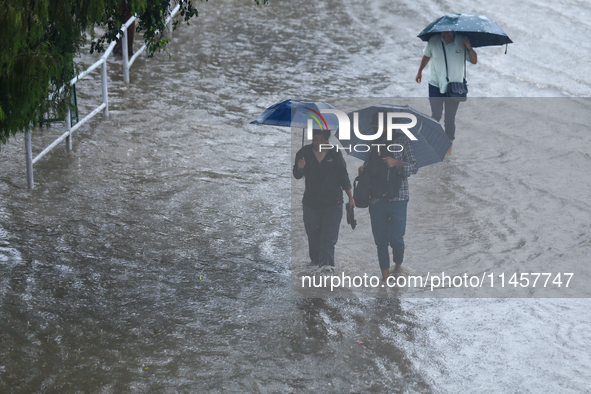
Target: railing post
x,y
69,130
169,24
104,86
29,156
125,54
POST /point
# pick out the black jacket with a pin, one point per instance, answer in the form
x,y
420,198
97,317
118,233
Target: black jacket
x,y
325,181
384,182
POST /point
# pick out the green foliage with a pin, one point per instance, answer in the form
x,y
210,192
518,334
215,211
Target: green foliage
x,y
151,15
39,40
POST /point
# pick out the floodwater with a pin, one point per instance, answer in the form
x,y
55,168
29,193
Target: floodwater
x,y
157,256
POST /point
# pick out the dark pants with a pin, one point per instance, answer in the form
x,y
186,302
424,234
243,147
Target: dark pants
x,y
388,225
437,101
322,228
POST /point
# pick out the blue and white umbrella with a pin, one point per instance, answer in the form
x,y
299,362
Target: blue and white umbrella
x,y
430,147
295,113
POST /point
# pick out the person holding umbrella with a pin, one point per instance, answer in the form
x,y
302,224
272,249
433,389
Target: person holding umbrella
x,y
454,50
388,191
326,176
446,53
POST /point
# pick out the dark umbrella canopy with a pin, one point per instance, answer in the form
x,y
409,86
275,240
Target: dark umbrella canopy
x,y
432,142
295,113
481,30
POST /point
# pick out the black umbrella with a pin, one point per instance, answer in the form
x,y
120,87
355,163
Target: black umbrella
x,y
429,148
351,217
481,30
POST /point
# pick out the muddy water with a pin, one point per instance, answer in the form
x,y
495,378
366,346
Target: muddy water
x,y
156,256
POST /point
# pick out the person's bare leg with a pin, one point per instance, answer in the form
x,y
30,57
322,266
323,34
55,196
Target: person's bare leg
x,y
397,270
449,150
385,274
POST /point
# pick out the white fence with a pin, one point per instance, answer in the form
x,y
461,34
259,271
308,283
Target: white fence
x,y
102,63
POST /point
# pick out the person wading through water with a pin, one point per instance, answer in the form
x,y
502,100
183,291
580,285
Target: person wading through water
x,y
326,177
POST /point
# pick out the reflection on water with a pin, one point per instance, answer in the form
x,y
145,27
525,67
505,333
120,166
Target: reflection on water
x,y
156,256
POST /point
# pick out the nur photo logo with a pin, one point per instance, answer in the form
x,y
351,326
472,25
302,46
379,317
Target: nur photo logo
x,y
389,118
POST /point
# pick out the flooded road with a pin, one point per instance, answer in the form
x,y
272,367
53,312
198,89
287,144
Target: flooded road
x,y
156,257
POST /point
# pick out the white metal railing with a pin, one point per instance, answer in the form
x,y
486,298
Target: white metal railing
x,y
102,63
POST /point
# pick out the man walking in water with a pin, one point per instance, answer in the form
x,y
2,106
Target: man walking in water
x,y
457,50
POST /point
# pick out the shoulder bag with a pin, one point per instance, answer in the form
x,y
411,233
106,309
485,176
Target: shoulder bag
x,y
456,90
361,190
